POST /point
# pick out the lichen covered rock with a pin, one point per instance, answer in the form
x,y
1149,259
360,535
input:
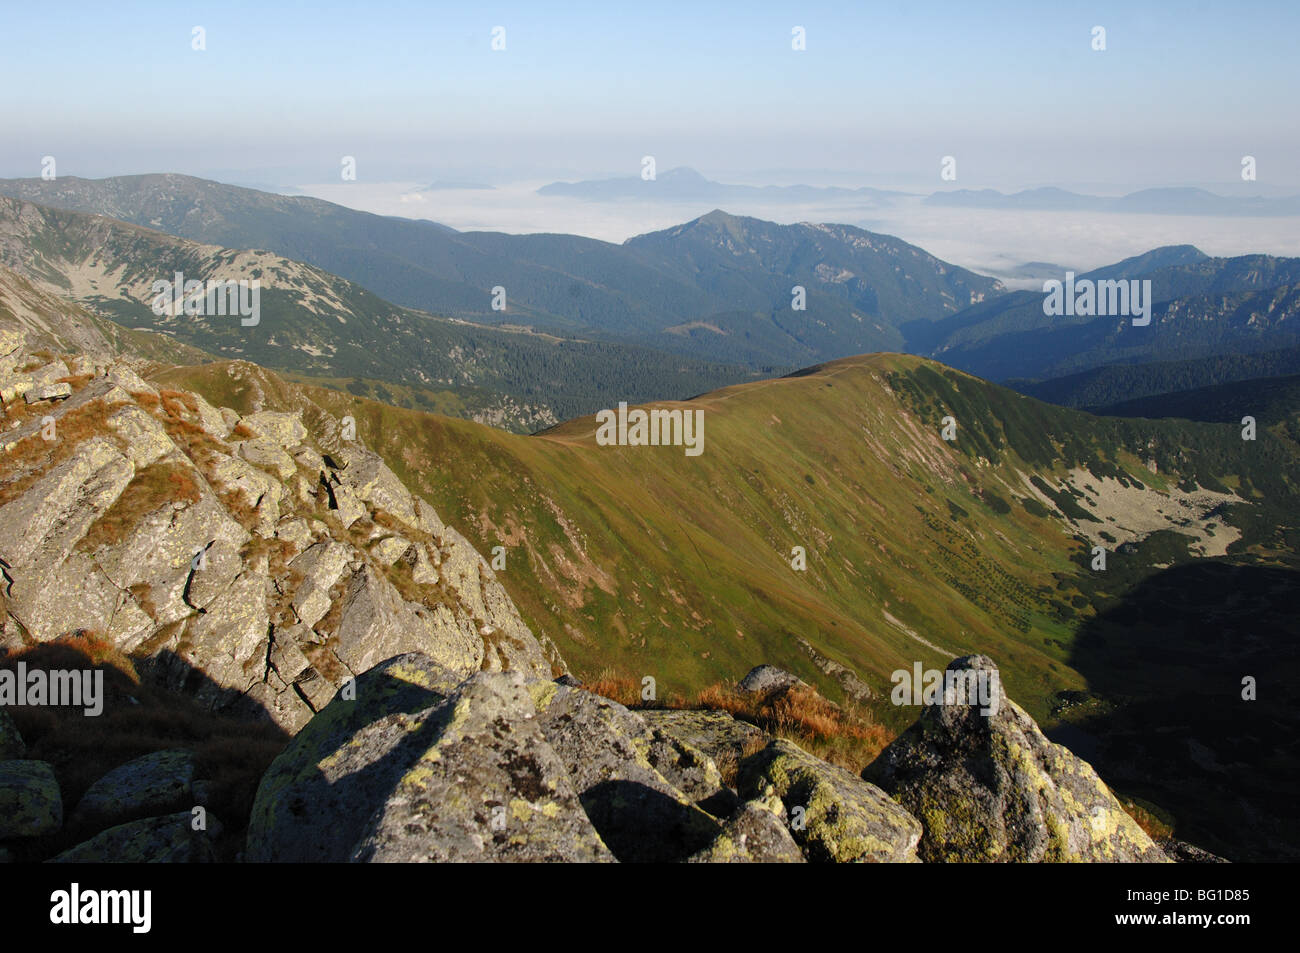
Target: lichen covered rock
x,y
991,787
172,839
154,784
608,753
834,816
755,834
318,795
30,802
488,787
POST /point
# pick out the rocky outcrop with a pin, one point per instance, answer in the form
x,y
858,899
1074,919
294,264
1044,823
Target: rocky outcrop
x,y
422,766
30,802
716,733
835,816
614,759
179,838
152,785
768,678
199,541
489,786
756,833
991,787
11,742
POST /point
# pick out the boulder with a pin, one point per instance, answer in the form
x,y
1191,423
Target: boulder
x,y
991,787
376,484
320,565
42,525
146,440
11,742
834,816
151,785
766,678
716,733
153,840
754,834
268,455
318,795
30,802
286,430
376,623
51,391
487,787
607,751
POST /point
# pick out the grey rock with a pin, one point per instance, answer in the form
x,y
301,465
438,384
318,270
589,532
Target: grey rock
x,y
171,839
316,798
991,787
376,623
607,750
53,391
30,802
488,787
766,678
284,429
154,784
834,816
717,733
11,741
755,834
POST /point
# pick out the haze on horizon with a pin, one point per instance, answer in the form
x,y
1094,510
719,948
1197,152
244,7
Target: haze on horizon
x,y
276,97
878,96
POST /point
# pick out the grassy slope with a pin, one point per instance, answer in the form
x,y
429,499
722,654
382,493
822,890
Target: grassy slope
x,y
643,561
679,567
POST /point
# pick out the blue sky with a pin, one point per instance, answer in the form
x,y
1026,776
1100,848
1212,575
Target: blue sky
x,y
1014,90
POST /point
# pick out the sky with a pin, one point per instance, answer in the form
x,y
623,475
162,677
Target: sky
x,y
415,92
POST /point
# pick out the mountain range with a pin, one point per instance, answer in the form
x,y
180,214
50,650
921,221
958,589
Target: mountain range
x,y
844,521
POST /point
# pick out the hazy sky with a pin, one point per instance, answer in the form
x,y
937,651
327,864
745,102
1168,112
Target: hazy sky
x,y
414,91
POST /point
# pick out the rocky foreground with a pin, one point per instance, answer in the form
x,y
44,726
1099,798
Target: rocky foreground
x,y
267,569
414,763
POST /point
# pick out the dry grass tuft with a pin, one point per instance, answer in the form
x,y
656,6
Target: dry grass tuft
x,y
849,736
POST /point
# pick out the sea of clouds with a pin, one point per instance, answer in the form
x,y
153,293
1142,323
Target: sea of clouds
x,y
993,242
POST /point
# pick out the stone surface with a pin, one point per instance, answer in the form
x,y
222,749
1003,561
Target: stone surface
x,y
30,802
317,796
834,816
489,787
993,788
228,532
607,751
154,784
716,733
755,834
11,741
171,839
766,678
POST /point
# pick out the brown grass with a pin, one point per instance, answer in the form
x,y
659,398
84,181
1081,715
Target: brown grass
x,y
138,718
151,489
849,736
31,459
1155,827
